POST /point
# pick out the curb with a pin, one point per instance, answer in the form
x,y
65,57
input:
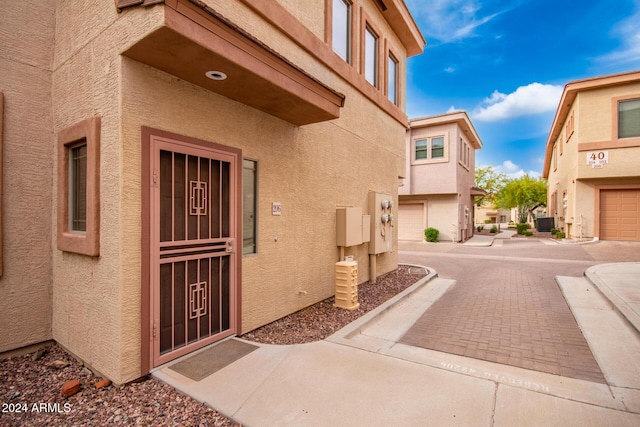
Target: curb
x,y
618,304
360,323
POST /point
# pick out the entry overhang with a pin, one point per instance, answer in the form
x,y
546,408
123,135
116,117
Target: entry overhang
x,y
194,39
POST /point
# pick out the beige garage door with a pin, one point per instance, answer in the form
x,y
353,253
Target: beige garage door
x,y
411,222
620,215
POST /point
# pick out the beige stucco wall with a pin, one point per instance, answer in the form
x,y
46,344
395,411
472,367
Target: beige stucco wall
x,y
26,50
593,123
595,111
309,12
310,170
95,310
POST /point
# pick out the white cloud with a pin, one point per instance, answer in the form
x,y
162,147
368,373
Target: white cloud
x,y
449,20
449,69
628,32
512,170
534,98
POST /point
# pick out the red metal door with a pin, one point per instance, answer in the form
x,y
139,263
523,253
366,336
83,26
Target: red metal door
x,y
193,247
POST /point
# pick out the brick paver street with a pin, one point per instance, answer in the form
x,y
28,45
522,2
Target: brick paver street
x,y
506,306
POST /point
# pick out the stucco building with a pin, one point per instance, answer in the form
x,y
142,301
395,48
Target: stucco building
x,y
172,169
438,190
592,159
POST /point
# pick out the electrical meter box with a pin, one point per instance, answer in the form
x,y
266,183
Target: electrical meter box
x,y
349,227
347,285
382,214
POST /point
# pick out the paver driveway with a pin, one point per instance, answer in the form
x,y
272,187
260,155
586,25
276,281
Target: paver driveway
x,y
506,306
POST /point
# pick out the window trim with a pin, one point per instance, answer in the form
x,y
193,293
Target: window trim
x,y
616,124
351,26
429,147
369,29
391,57
464,156
415,149
254,250
87,242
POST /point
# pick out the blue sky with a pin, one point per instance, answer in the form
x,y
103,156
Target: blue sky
x,y
506,62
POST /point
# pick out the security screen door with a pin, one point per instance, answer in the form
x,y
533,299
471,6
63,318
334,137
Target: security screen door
x,y
193,246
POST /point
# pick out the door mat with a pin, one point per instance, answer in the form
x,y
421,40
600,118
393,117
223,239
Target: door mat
x,y
213,359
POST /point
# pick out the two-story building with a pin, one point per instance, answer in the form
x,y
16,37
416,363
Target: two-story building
x,y
592,159
438,190
172,168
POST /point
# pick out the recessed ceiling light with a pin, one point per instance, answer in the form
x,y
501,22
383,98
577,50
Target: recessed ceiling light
x,y
215,75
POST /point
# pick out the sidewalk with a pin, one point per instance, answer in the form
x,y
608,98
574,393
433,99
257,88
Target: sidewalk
x,y
484,240
362,376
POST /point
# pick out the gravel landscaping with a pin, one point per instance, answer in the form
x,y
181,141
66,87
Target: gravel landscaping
x,y
30,385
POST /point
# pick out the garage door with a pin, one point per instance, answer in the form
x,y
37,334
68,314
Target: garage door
x,y
620,215
411,222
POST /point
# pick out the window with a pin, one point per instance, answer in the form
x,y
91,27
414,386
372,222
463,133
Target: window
x,y
371,56
78,188
629,118
569,128
341,29
437,147
421,149
432,148
392,79
249,201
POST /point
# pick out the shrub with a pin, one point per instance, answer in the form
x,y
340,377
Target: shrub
x,y
527,233
487,221
560,235
494,229
522,227
480,228
554,231
431,234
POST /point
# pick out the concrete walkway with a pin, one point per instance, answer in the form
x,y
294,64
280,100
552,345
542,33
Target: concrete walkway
x,y
362,376
487,240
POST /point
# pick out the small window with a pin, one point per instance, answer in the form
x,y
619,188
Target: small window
x,y
371,56
392,80
629,118
421,149
428,149
249,206
437,147
341,29
78,188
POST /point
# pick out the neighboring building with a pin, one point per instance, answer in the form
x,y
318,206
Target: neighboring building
x,y
487,214
438,190
592,159
192,155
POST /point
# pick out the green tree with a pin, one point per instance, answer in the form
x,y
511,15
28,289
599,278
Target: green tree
x,y
491,181
525,193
